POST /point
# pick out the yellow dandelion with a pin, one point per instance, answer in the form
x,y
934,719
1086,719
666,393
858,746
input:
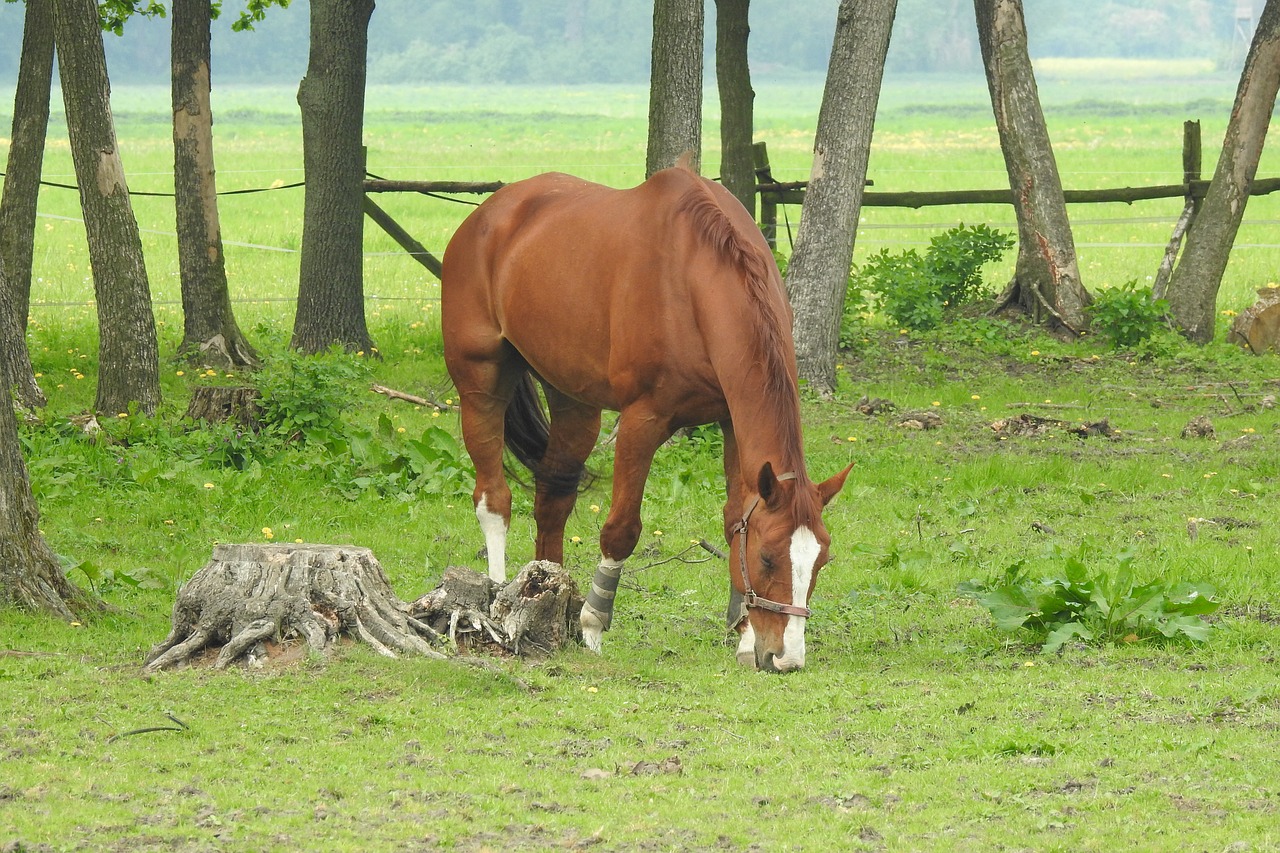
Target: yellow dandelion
x,y
974,397
595,507
208,485
575,539
1035,352
266,531
181,373
399,429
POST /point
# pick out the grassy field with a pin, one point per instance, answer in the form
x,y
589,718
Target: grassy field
x,y
917,724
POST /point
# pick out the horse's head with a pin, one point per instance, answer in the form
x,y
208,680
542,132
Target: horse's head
x,y
777,548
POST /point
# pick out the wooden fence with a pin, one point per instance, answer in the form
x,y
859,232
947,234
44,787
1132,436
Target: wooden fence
x,y
774,193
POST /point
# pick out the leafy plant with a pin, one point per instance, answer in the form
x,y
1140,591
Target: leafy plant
x,y
916,289
1098,605
1128,315
303,397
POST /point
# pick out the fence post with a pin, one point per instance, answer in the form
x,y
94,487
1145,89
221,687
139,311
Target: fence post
x,y
768,207
1191,160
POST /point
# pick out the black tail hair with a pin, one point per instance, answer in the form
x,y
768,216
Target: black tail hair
x,y
527,433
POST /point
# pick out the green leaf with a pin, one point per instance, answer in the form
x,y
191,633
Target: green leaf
x,y
1062,633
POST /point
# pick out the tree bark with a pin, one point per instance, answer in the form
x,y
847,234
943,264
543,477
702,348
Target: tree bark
x,y
128,362
210,334
818,274
21,194
737,100
1194,284
1046,281
30,575
331,96
675,85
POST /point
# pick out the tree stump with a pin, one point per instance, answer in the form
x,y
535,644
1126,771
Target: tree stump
x,y
249,594
534,615
539,610
1257,328
220,403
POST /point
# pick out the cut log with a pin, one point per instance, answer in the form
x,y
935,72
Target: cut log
x,y
1257,328
249,594
221,403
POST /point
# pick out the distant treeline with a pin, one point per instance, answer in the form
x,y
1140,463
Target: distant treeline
x,y
607,41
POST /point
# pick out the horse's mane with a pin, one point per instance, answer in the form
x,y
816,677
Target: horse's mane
x,y
719,233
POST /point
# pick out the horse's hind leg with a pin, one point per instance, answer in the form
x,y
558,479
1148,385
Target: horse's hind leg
x,y
574,429
485,388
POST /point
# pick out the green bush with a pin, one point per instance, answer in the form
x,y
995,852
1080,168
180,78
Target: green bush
x,y
303,397
915,290
1128,315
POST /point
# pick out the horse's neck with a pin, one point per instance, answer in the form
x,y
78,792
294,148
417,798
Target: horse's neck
x,y
767,428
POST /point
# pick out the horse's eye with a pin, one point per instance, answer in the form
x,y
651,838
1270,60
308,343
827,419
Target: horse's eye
x,y
766,562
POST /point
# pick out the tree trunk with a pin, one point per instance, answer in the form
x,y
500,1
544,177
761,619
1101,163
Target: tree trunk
x,y
331,95
128,362
818,274
30,574
21,193
210,335
675,85
1046,281
737,99
1194,284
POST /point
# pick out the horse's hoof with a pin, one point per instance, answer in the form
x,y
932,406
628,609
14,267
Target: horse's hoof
x,y
592,629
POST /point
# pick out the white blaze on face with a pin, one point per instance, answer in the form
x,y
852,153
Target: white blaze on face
x,y
494,528
804,558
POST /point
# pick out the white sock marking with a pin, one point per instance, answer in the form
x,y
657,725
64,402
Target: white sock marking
x,y
747,647
494,527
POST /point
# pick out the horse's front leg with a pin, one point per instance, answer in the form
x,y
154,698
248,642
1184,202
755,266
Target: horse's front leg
x,y
640,434
736,613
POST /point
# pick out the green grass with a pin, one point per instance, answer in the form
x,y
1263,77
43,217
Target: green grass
x,y
917,725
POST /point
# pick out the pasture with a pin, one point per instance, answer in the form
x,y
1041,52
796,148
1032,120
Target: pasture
x,y
916,725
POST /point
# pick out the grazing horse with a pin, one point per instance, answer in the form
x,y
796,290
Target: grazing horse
x,y
663,303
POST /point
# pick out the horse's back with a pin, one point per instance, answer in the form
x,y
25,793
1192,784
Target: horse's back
x,y
596,287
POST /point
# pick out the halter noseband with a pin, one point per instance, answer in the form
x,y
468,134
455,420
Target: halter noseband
x,y
749,594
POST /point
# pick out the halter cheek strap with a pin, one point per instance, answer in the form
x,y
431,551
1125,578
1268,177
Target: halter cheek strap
x,y
750,599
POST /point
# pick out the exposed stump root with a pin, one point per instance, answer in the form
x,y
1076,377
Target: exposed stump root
x,y
533,615
249,594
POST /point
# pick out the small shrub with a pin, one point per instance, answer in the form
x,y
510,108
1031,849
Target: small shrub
x,y
1095,605
915,290
1128,315
303,397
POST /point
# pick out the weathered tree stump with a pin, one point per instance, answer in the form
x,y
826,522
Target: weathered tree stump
x,y
249,594
539,610
220,403
534,615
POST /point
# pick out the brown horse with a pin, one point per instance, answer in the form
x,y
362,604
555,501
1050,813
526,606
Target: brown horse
x,y
662,303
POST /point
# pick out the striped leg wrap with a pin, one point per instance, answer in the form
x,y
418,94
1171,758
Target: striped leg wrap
x,y
604,586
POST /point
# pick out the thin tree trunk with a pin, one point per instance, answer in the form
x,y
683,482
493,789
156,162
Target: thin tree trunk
x,y
675,85
737,99
210,334
331,95
1194,284
128,363
30,575
1046,280
21,194
818,274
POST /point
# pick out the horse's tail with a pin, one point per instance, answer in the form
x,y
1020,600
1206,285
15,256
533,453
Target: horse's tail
x,y
528,431
527,428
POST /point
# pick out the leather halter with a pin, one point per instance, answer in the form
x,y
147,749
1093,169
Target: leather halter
x,y
749,594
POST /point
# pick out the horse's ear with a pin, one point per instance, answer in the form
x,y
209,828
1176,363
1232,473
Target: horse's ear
x,y
767,485
828,489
